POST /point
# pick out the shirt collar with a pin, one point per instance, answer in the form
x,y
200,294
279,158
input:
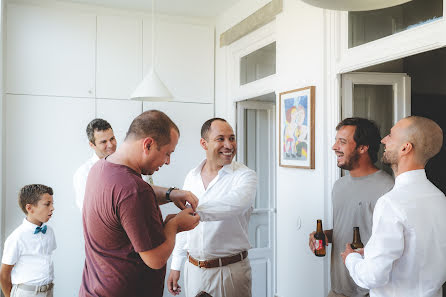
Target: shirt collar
x,y
229,168
30,226
409,177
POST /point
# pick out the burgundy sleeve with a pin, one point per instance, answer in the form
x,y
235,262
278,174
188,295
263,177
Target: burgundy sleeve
x,y
141,219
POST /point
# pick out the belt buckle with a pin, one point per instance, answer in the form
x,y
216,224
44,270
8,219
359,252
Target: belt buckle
x,y
199,264
43,288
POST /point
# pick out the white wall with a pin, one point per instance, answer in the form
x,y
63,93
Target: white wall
x,y
2,83
70,63
301,192
300,63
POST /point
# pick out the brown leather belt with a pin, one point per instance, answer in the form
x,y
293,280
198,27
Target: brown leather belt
x,y
219,262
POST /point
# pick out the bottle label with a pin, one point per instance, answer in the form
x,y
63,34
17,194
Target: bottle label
x,y
318,245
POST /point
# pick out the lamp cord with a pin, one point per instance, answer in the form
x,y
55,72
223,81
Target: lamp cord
x,y
153,35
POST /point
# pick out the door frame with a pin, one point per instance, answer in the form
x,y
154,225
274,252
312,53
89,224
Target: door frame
x,y
236,93
401,90
241,107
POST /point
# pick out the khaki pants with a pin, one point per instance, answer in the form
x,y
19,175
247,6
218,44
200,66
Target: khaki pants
x,y
17,292
233,280
333,294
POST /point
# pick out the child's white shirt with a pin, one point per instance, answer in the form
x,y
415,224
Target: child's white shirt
x,y
31,255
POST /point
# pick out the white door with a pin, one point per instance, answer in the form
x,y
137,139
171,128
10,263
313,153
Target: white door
x,y
381,97
256,139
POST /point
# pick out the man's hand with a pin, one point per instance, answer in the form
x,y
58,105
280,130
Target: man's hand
x,y
172,282
312,241
360,251
180,197
169,217
349,250
186,220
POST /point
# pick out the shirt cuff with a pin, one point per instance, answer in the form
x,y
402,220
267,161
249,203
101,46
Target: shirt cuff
x,y
177,263
351,259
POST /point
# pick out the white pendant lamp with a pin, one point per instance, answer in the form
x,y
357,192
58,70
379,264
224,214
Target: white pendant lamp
x,y
354,5
151,88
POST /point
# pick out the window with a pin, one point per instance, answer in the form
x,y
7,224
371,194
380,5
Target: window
x,y
366,26
258,64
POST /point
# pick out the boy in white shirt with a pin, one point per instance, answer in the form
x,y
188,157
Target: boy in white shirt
x,y
27,265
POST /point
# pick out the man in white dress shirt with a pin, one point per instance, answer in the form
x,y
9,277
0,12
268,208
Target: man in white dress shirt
x,y
103,142
215,252
406,254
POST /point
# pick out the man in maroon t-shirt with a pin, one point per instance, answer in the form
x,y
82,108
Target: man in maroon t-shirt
x,y
126,242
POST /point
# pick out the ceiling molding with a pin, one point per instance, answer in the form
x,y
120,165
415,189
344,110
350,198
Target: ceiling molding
x,y
253,22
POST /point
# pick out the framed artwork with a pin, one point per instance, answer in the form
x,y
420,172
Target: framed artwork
x,y
296,124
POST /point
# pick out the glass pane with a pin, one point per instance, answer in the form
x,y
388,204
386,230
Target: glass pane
x,y
256,152
258,64
366,26
375,102
259,230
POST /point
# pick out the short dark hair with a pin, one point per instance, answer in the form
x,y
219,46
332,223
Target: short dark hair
x,y
366,133
96,125
152,123
31,194
207,126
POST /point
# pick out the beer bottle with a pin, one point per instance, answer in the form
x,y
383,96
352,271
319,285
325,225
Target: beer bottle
x,y
319,245
356,244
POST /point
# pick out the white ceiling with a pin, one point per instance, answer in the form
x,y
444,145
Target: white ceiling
x,y
198,8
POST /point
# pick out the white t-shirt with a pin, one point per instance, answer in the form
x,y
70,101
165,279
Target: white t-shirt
x,y
31,255
80,179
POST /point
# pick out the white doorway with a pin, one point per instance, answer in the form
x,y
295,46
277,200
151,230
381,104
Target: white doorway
x,y
384,98
256,149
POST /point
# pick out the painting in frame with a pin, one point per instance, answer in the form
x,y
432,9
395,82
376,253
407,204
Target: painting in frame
x,y
296,124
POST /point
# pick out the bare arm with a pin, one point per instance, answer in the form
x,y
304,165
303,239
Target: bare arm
x,y
156,258
160,193
179,197
5,279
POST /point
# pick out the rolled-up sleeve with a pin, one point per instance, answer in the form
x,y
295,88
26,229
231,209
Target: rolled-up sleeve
x,y
384,247
237,200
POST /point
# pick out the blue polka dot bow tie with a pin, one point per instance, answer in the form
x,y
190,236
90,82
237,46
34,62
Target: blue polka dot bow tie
x,y
40,229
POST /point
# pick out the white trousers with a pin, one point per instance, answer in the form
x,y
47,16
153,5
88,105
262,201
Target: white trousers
x,y
17,292
233,280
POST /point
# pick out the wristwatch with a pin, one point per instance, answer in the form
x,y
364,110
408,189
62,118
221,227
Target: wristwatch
x,y
168,193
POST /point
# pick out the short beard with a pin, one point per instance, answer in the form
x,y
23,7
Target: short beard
x,y
351,162
390,160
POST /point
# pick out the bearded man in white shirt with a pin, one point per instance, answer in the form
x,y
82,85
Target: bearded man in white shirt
x,y
406,254
103,142
215,252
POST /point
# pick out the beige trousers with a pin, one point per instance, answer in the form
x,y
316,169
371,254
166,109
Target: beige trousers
x,y
17,292
233,280
333,294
